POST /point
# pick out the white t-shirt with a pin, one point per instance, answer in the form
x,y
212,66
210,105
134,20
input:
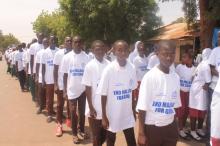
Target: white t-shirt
x,y
159,95
117,84
198,96
39,60
19,59
153,61
74,64
186,75
47,59
140,64
13,57
91,77
34,48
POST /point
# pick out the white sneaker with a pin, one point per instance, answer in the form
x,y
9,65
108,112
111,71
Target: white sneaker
x,y
201,132
195,136
182,134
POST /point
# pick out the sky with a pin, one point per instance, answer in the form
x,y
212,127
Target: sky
x,y
16,16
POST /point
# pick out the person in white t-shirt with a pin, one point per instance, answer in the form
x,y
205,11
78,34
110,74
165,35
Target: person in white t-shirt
x,y
214,61
140,63
19,67
185,72
58,86
158,97
38,77
13,62
134,53
117,82
47,75
73,65
153,58
34,48
198,96
91,78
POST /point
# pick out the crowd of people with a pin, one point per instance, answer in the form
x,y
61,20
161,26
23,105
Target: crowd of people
x,y
113,88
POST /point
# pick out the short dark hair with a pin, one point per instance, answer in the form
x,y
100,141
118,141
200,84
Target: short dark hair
x,y
167,43
120,41
97,42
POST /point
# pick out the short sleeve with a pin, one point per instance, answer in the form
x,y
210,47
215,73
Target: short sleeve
x,y
145,94
178,67
178,100
104,83
64,64
16,58
57,58
207,74
32,50
87,76
134,76
212,58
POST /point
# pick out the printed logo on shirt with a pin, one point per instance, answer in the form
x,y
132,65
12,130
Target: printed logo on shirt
x,y
118,84
163,107
185,83
122,94
143,68
76,72
50,62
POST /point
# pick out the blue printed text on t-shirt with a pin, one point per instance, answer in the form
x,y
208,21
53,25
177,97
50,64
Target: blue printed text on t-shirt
x,y
122,94
185,83
163,107
76,72
143,67
50,62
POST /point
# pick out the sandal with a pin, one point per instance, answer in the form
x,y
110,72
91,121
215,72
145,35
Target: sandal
x,y
76,140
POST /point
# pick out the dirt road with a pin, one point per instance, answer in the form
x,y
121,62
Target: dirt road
x,y
20,126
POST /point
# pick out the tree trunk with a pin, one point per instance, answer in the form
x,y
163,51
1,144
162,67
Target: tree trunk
x,y
207,25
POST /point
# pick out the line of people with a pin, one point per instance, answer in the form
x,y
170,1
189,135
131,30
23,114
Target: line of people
x,y
112,88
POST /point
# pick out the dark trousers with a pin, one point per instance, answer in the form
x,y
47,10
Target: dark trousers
x,y
49,98
162,136
129,136
98,132
8,68
21,77
27,83
41,96
81,101
32,87
60,107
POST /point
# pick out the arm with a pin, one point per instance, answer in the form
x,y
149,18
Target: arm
x,y
214,72
55,74
105,122
89,99
16,63
32,64
65,77
141,128
43,73
37,71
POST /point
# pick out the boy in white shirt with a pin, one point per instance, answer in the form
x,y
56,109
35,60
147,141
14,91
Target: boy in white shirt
x,y
91,78
140,63
38,77
47,76
185,72
58,85
158,97
214,62
116,85
73,65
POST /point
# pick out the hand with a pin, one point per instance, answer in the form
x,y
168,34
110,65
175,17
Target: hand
x,y
105,122
36,79
56,89
93,113
142,139
65,95
205,87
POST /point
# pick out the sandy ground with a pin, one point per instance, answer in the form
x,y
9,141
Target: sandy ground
x,y
20,126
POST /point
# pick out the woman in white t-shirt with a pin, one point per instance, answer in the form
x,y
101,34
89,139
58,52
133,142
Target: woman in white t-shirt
x,y
158,97
117,83
140,63
134,53
185,72
198,96
91,78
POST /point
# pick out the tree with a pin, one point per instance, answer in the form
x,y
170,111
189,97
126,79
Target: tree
x,y
112,19
7,40
209,17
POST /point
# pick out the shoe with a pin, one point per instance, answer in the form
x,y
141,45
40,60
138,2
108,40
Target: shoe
x,y
76,140
49,119
68,123
83,135
201,132
59,130
195,136
53,113
183,135
39,111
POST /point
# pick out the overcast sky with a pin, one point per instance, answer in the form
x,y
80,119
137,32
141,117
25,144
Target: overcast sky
x,y
16,16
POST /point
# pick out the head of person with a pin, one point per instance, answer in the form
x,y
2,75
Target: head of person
x,y
77,44
141,49
68,42
98,49
62,46
23,45
34,40
52,42
121,50
206,53
166,54
187,58
40,37
45,43
219,38
19,47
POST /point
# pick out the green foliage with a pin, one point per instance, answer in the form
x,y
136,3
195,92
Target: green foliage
x,y
53,23
6,40
112,19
